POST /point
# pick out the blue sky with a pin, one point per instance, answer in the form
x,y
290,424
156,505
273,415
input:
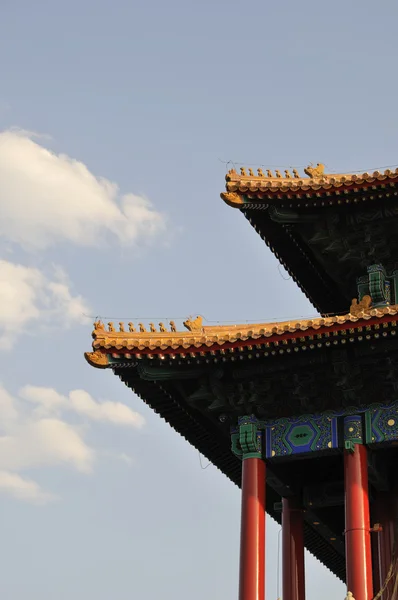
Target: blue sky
x,y
141,104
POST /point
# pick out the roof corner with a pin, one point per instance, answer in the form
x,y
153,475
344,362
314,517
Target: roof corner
x,y
97,359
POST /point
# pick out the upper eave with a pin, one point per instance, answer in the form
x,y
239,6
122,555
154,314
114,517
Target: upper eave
x,y
242,188
208,340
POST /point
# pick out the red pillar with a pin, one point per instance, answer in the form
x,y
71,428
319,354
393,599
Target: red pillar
x,y
293,577
252,535
357,524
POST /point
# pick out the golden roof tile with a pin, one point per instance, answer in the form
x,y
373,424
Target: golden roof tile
x,y
216,336
246,182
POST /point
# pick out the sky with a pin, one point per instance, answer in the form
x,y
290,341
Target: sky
x,y
117,121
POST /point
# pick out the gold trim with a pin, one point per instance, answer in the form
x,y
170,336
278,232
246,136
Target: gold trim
x,y
97,359
315,178
199,336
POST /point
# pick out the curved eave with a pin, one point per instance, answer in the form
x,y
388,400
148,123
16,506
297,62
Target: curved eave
x,y
240,339
241,190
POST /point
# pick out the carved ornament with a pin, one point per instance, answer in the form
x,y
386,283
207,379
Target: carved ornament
x,y
362,307
96,359
315,172
194,325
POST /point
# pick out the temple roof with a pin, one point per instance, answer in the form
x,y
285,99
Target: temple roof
x,y
325,229
214,338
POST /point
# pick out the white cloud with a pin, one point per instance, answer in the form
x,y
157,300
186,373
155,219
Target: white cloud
x,y
31,441
45,442
27,296
23,489
34,434
46,198
8,411
111,412
49,401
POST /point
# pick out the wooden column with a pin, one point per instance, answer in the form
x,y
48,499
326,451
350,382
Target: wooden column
x,y
252,541
357,523
293,573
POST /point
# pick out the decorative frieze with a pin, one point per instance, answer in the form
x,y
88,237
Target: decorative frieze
x,y
381,425
288,438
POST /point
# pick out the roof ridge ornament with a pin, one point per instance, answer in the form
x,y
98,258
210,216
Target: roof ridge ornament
x,y
315,172
194,324
99,328
362,307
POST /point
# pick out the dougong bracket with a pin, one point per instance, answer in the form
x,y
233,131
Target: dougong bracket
x,y
380,287
247,438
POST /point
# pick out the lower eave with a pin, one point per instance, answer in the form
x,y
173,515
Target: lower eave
x,y
203,433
